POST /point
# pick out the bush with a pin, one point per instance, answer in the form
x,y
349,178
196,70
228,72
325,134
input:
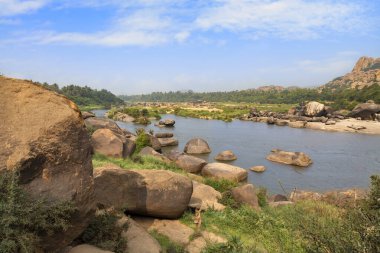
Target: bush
x,y
142,140
103,232
23,220
222,185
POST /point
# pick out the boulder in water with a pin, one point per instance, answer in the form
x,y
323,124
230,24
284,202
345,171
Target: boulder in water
x,y
291,158
197,146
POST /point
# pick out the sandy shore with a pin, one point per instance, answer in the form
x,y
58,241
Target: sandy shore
x,y
371,127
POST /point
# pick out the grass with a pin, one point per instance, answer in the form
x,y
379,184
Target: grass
x,y
167,245
90,107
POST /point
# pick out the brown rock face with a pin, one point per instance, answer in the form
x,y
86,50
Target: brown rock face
x,y
105,142
43,136
156,193
365,63
314,109
197,146
205,197
246,194
366,111
291,158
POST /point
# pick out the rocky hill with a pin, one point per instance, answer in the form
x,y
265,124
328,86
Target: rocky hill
x,y
365,74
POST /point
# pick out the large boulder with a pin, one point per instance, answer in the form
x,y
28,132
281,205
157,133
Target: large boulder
x,y
366,111
156,193
224,171
86,248
94,123
86,115
44,138
164,135
167,122
119,116
154,142
148,151
246,194
190,163
291,158
139,240
314,109
227,155
107,142
205,197
197,146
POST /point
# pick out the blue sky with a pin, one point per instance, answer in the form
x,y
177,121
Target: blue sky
x,y
140,46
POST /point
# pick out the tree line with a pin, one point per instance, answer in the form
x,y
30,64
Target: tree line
x,y
338,98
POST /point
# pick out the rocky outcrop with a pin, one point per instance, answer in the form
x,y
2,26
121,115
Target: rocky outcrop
x,y
43,136
94,123
190,163
154,142
205,197
164,135
86,115
224,171
227,155
291,158
197,146
156,193
366,111
246,194
365,73
314,109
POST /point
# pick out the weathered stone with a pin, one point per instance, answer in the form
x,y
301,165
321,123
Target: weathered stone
x,y
164,135
246,194
106,142
205,197
281,122
123,117
43,137
227,155
190,164
197,146
86,115
165,142
98,123
278,197
156,193
259,168
297,124
173,155
86,248
139,240
365,111
149,151
167,122
224,171
154,142
314,109
291,158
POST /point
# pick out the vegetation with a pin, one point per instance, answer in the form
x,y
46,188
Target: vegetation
x,y
166,244
338,98
136,112
142,140
25,221
85,97
103,232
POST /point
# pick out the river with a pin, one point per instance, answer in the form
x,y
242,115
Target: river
x,y
341,160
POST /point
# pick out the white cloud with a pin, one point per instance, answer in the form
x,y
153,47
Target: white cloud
x,y
283,18
16,7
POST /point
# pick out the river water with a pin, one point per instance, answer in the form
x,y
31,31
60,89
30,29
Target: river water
x,y
341,160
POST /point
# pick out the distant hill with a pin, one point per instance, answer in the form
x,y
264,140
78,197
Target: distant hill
x,y
365,74
85,96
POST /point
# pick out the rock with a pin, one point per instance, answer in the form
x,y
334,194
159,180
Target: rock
x,y
298,195
281,122
165,142
164,135
246,194
280,203
205,197
365,111
97,123
224,171
314,109
173,229
173,155
148,151
377,116
297,124
86,248
357,127
154,142
277,198
106,142
119,116
197,146
227,155
330,122
156,193
139,240
271,121
201,242
43,137
291,158
258,168
167,122
190,164
86,115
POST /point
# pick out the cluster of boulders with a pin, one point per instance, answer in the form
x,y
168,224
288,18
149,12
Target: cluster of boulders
x,y
313,111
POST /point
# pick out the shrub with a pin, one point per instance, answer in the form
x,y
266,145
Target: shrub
x,y
142,140
220,185
23,220
104,233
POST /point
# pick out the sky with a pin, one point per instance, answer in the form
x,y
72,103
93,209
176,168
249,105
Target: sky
x,y
140,46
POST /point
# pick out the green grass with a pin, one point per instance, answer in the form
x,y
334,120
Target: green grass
x,y
90,107
143,162
167,245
